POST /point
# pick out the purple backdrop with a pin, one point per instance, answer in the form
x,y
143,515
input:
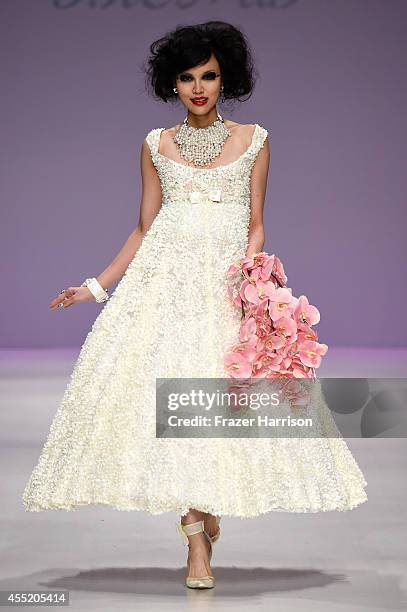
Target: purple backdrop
x,y
74,112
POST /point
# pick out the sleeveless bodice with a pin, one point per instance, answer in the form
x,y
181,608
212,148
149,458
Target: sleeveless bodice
x,y
228,184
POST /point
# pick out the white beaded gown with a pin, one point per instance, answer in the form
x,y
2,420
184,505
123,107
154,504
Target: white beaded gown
x,y
169,316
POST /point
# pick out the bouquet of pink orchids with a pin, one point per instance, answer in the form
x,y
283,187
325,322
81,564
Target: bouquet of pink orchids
x,y
276,336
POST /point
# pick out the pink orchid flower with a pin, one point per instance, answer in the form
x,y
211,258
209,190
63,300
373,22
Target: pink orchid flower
x,y
280,303
256,274
311,352
306,333
306,313
267,268
260,310
278,271
240,268
237,266
295,393
274,342
262,366
239,397
289,352
247,349
244,284
299,369
284,326
264,328
237,365
248,331
256,293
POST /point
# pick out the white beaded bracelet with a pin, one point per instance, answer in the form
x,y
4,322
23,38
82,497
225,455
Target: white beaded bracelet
x,y
100,294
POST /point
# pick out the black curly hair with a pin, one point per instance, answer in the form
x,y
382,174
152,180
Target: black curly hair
x,y
191,45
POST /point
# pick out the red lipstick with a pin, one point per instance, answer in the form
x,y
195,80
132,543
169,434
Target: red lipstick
x,y
199,101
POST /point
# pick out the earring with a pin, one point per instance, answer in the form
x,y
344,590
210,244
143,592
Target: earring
x,y
223,95
175,90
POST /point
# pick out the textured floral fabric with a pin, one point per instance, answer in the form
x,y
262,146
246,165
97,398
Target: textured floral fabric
x,y
169,316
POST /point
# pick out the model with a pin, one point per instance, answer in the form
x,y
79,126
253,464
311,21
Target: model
x,y
203,190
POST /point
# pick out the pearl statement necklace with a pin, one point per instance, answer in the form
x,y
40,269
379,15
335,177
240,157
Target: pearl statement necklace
x,y
201,145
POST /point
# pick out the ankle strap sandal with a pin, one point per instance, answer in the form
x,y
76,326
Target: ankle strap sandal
x,y
200,582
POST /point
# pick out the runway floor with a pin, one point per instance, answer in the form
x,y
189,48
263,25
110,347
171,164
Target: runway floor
x,y
111,560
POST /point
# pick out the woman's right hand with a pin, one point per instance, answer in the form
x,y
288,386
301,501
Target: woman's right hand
x,y
70,296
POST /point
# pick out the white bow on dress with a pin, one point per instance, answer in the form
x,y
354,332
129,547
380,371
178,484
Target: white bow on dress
x,y
198,197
